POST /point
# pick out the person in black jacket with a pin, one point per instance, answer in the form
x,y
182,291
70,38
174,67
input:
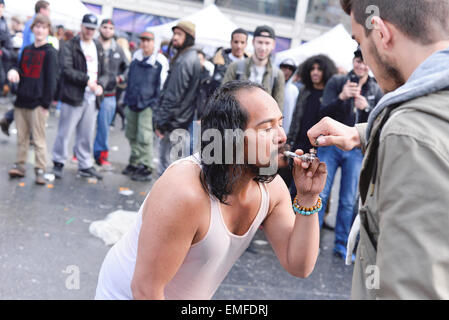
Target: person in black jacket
x,y
37,77
83,80
348,99
142,94
176,106
116,67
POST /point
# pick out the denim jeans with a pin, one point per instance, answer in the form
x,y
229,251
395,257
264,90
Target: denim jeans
x,y
9,116
104,119
350,163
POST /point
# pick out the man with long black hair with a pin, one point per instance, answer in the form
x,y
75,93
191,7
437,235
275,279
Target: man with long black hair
x,y
315,73
176,105
201,215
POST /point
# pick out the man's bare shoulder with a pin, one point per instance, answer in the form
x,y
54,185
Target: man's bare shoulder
x,y
180,186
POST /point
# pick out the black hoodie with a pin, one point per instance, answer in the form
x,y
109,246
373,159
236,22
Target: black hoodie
x,y
38,69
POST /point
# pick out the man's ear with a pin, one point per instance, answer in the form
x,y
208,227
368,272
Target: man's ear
x,y
383,32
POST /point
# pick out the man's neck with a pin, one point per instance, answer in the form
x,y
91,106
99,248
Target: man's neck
x,y
38,44
87,41
260,63
147,53
237,57
416,54
242,187
105,43
319,86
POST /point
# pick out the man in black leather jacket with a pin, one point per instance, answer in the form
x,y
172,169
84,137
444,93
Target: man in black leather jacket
x,y
176,105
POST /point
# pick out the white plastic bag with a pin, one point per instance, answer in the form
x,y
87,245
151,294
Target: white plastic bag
x,y
114,226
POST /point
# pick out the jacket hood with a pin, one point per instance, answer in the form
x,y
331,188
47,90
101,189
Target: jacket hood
x,y
430,77
138,55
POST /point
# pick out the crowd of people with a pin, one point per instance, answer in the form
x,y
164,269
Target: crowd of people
x,y
164,91
90,78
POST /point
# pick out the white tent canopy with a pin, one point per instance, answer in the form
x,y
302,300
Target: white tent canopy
x,y
213,29
337,44
66,12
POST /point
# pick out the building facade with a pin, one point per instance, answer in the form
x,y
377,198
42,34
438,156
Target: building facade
x,y
295,21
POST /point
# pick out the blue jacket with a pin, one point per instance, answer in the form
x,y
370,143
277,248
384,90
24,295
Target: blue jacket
x,y
28,36
343,111
144,79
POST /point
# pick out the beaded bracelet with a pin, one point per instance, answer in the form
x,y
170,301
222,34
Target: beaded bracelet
x,y
306,211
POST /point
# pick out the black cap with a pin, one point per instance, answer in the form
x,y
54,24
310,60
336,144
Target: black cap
x,y
107,21
358,53
264,31
90,21
2,2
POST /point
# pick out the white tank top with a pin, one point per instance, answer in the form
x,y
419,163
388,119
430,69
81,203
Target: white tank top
x,y
204,268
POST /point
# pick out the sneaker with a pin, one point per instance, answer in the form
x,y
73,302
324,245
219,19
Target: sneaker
x,y
17,171
57,170
4,124
340,251
142,174
40,180
74,159
102,161
90,173
129,170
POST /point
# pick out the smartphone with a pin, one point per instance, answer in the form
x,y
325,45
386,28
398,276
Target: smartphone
x,y
354,78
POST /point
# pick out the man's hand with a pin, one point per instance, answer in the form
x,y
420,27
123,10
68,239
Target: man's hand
x,y
43,110
13,76
350,90
310,179
360,102
329,132
99,91
159,134
92,85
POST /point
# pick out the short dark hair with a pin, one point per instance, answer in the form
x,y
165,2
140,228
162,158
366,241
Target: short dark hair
x,y
326,65
239,31
224,112
41,4
425,21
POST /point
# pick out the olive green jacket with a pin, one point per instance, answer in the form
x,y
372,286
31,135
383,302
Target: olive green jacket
x,y
403,251
276,90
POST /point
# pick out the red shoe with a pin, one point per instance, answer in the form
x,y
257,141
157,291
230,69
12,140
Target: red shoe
x,y
103,160
74,159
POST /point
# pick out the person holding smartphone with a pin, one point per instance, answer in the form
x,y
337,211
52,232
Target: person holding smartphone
x,y
348,99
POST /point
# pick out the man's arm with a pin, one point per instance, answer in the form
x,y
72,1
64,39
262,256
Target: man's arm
x,y
70,74
231,73
295,240
413,244
169,224
329,132
50,78
331,102
279,90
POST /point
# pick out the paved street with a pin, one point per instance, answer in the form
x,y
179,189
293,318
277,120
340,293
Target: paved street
x,y
44,231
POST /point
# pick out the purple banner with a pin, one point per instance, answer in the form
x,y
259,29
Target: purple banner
x,y
136,22
94,8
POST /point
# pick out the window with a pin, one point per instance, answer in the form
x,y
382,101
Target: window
x,y
327,13
280,8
